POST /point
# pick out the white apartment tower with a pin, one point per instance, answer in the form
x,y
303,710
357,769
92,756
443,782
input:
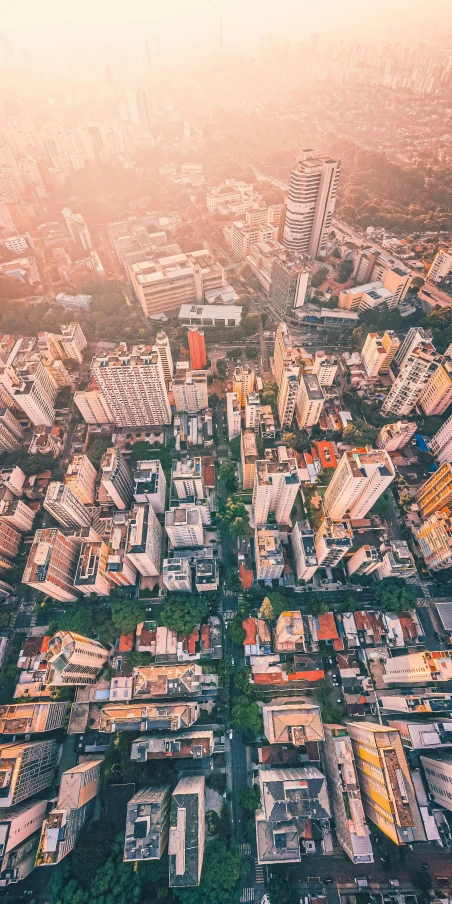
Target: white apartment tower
x,y
413,338
395,436
243,383
11,433
282,355
93,407
233,413
164,352
303,546
253,411
325,368
416,371
441,444
310,401
116,478
359,480
81,478
287,395
189,388
77,229
332,541
177,575
144,540
133,385
17,514
312,196
62,503
276,485
184,527
441,267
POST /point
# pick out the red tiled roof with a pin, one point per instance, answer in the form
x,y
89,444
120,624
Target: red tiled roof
x,y
327,627
209,471
192,641
314,675
45,643
270,678
205,637
249,625
337,644
126,642
319,449
246,577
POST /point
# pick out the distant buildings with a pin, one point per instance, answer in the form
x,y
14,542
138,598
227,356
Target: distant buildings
x,y
310,206
187,832
163,284
77,229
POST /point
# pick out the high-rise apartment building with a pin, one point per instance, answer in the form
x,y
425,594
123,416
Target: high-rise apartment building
x,y
52,565
91,574
177,576
27,768
253,411
169,282
81,477
441,444
149,484
351,828
436,492
19,832
288,395
282,355
116,478
72,341
395,436
391,345
289,280
325,368
387,790
310,205
133,385
184,527
441,267
190,392
438,772
144,540
434,537
276,485
365,560
16,514
248,457
332,541
303,547
310,401
77,793
10,540
77,229
32,388
373,354
73,659
414,337
65,506
436,395
11,433
197,348
93,407
397,561
187,832
119,569
359,480
268,552
147,824
243,383
417,370
163,347
233,414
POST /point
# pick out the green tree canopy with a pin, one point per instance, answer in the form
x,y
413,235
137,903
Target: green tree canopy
x,y
246,716
220,880
227,474
234,517
92,851
395,595
183,611
125,613
250,799
236,632
360,433
234,446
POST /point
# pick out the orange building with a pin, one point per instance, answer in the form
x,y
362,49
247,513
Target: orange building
x,y
197,348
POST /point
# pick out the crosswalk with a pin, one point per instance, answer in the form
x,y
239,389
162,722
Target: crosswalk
x,y
259,869
246,848
247,895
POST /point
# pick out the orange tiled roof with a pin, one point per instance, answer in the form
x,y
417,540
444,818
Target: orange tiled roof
x,y
126,642
313,675
327,627
249,625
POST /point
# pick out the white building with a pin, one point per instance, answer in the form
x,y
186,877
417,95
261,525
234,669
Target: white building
x,y
210,314
187,478
190,391
310,401
233,413
149,484
359,480
144,540
73,659
52,564
116,478
441,267
441,443
303,547
92,576
62,503
72,341
438,772
77,229
32,389
253,411
93,407
332,541
184,527
325,368
415,336
11,433
365,560
276,485
177,575
133,385
418,668
395,436
288,395
164,352
16,514
18,848
397,562
268,552
310,206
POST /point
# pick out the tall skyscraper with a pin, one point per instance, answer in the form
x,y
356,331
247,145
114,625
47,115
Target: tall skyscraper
x,y
116,478
436,492
243,383
77,229
310,401
287,395
144,540
312,196
81,478
415,374
340,768
359,480
163,347
133,385
197,348
65,506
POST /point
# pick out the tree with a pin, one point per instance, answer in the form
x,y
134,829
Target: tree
x,y
235,518
182,612
96,448
345,271
222,368
417,282
220,880
92,850
360,433
250,799
266,610
289,439
234,446
395,595
315,604
227,474
319,277
126,614
236,632
246,716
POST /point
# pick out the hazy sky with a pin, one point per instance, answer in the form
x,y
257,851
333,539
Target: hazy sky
x,y
37,23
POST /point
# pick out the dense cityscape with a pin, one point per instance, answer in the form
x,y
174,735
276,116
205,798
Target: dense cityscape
x,y
226,474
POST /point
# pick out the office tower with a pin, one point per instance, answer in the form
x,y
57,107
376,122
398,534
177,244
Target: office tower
x,y
441,443
310,401
149,484
303,547
10,540
187,478
436,395
276,485
163,284
287,395
63,504
91,574
387,790
184,527
187,832
438,773
253,411
268,552
325,368
177,575
434,537
359,480
395,436
147,824
20,828
32,718
436,492
163,347
52,564
248,458
11,433
116,478
72,341
414,337
16,514
27,768
93,407
197,348
81,477
289,282
332,541
144,540
233,414
77,794
282,355
391,344
310,205
133,385
190,393
365,560
351,828
33,389
416,372
243,383
77,229
73,659
441,267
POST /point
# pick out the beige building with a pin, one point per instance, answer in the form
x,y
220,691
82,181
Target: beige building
x,y
93,407
81,478
243,383
395,436
73,659
116,478
282,355
166,283
233,414
441,444
133,384
359,480
391,345
384,777
268,552
416,372
189,390
78,790
350,821
248,456
52,565
378,352
434,538
292,722
65,506
310,401
287,395
418,668
11,433
441,267
10,540
314,183
163,347
289,633
253,411
437,393
325,368
91,574
365,560
436,492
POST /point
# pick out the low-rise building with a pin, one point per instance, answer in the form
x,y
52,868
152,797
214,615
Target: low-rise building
x,y
167,681
147,824
177,576
290,633
249,457
165,716
32,718
295,815
187,832
192,744
418,668
292,722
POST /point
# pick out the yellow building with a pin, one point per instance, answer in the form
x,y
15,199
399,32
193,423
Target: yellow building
x,y
387,790
434,538
391,344
437,394
436,492
243,383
